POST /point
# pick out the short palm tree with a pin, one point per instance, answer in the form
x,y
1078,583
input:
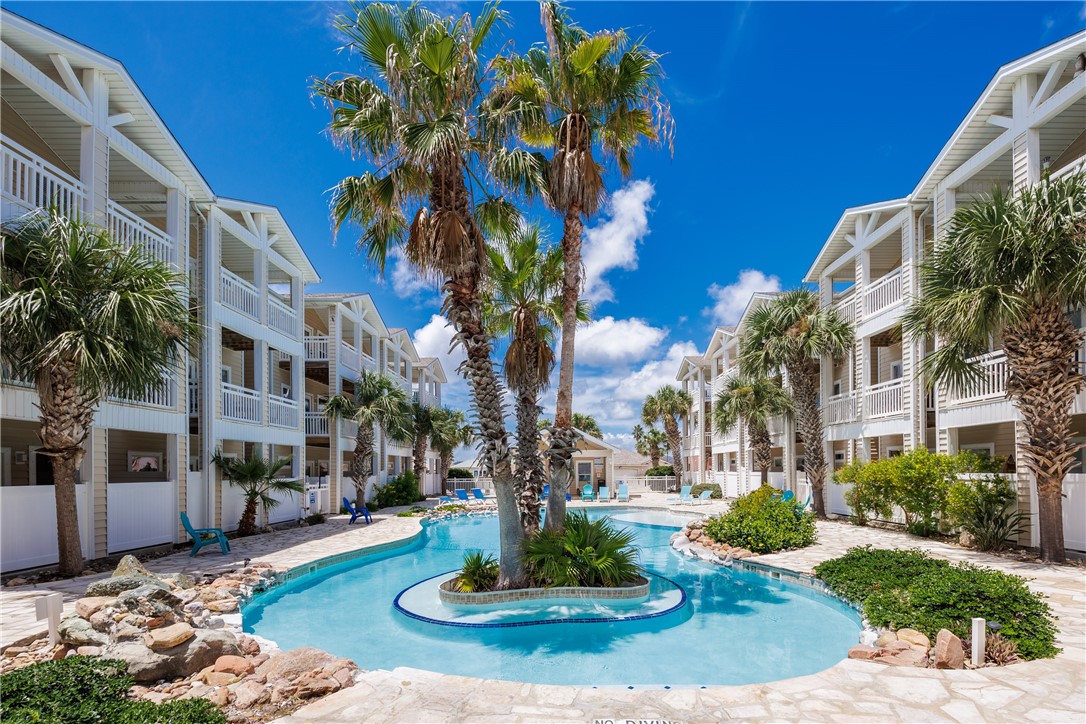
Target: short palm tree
x,y
422,424
587,423
414,113
792,332
450,431
1010,267
257,478
753,401
582,90
651,443
82,318
379,403
666,405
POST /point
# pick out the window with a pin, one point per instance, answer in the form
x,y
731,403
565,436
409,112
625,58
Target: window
x,y
893,451
984,450
897,370
284,391
838,460
837,387
5,466
226,374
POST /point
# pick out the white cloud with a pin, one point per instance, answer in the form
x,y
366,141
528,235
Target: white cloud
x,y
730,301
610,341
406,282
653,375
612,243
433,340
623,440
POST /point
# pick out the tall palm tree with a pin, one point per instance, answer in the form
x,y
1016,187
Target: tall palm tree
x,y
450,431
422,424
791,332
1009,267
754,401
523,304
415,114
587,423
257,478
81,318
379,403
580,91
651,443
666,405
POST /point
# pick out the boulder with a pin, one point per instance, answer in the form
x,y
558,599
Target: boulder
x,y
949,652
885,638
129,566
181,580
149,601
238,665
863,652
311,686
295,662
79,632
906,658
167,637
187,595
898,646
101,620
120,584
199,651
219,678
218,696
914,637
249,693
89,650
87,607
225,605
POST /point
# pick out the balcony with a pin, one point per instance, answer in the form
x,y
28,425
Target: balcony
x,y
30,183
316,349
282,412
991,383
282,318
130,230
348,356
238,294
428,399
885,399
194,399
883,294
845,305
316,424
240,404
841,409
369,363
158,396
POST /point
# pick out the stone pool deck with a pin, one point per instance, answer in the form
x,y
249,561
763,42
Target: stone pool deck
x,y
1043,691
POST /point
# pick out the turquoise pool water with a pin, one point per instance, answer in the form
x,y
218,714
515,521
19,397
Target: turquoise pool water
x,y
735,627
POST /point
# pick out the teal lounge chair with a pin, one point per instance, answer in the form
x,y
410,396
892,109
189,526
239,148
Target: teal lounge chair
x,y
703,498
623,493
605,495
587,494
786,496
204,536
684,495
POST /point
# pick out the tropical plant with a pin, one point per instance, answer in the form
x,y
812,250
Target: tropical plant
x,y
791,332
478,573
422,426
257,478
401,490
450,431
754,401
985,509
871,489
1008,267
651,443
661,470
762,524
583,553
583,89
415,113
587,423
460,473
379,402
83,318
667,404
545,423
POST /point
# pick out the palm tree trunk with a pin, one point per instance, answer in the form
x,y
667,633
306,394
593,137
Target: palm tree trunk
x,y
654,456
761,444
362,461
247,524
671,429
1043,383
418,454
529,464
803,380
446,463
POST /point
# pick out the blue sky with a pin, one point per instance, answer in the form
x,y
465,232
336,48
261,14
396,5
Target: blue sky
x,y
786,114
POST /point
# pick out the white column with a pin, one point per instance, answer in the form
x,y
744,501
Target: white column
x,y
260,281
94,147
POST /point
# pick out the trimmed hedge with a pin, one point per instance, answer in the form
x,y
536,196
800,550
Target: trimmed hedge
x,y
661,470
762,525
460,473
697,490
908,589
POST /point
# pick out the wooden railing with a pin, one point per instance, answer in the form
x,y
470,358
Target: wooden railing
x,y
239,294
130,230
884,399
883,294
841,409
316,424
33,183
282,411
991,383
240,403
282,317
316,349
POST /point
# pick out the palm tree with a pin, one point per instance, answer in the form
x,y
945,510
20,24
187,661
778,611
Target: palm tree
x,y
379,402
415,115
587,423
82,318
791,332
256,477
666,405
652,443
581,90
450,431
422,424
1009,267
754,401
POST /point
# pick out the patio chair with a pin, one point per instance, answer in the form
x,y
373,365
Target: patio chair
x,y
605,495
586,493
204,536
444,500
462,496
356,513
684,495
623,493
785,497
478,493
546,491
704,497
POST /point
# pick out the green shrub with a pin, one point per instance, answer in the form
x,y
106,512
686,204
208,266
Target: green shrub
x,y
907,589
697,490
459,473
89,689
869,496
660,470
585,553
763,525
479,573
315,519
985,509
401,490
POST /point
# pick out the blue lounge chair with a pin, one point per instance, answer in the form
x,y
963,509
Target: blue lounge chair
x,y
605,495
546,491
478,493
623,493
704,497
684,495
587,494
444,500
204,536
356,513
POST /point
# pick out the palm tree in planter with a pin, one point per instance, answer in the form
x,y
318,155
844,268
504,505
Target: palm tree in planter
x,y
257,478
450,430
581,90
753,401
379,403
416,115
792,332
422,424
651,443
666,405
82,318
1009,268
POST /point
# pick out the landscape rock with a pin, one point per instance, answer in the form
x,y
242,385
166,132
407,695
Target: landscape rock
x,y
181,580
311,686
120,584
149,601
238,665
225,605
949,652
17,582
187,595
906,658
249,693
87,607
89,650
130,565
101,620
885,638
79,632
864,652
913,637
201,650
295,662
218,696
167,637
219,678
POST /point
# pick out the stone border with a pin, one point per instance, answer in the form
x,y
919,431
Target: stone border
x,y
628,592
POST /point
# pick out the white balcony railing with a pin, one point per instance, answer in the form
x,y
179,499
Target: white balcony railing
x,y
841,409
991,383
883,294
159,396
884,399
369,363
130,230
194,398
282,412
348,356
316,349
240,403
846,306
33,183
281,317
238,294
316,424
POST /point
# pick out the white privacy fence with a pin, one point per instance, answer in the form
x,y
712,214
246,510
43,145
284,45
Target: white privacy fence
x,y
289,508
141,515
655,483
28,525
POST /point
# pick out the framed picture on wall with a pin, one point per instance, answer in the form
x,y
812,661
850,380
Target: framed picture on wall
x,y
144,462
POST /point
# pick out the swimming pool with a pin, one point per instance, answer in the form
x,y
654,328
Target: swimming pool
x,y
733,627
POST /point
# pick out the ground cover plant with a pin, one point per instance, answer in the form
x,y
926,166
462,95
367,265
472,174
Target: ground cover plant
x,y
909,589
761,524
